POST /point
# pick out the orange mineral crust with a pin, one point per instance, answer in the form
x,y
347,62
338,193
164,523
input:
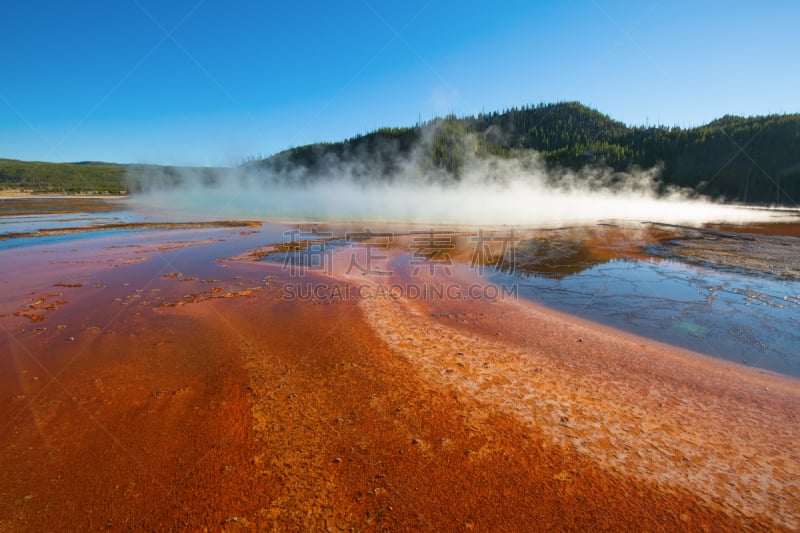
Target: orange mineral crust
x,y
210,399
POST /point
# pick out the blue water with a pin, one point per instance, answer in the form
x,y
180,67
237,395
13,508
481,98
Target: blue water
x,y
739,317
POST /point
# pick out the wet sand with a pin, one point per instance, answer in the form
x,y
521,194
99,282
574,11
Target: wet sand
x,y
767,249
241,408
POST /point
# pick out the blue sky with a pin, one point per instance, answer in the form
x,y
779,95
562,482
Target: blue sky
x,y
207,82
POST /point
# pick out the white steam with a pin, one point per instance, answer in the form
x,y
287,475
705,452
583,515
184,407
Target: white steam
x,y
489,191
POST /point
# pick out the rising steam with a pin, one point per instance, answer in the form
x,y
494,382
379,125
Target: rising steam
x,y
486,190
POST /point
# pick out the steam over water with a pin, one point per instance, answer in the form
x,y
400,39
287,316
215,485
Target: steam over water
x,y
726,311
487,192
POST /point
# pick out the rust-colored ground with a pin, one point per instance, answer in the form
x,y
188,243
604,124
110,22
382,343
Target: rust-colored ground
x,y
263,412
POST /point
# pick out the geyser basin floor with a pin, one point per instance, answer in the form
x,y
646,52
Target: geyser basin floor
x,y
162,387
737,297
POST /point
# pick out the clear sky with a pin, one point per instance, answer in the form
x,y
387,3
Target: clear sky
x,y
210,82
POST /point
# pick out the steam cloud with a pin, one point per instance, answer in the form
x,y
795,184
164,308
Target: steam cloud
x,y
487,191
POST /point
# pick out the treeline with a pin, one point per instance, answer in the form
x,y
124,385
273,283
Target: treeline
x,y
61,178
752,160
141,178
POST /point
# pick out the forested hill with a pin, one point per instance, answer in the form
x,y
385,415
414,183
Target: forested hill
x,y
752,160
87,177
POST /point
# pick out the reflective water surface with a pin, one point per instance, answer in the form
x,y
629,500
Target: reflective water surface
x,y
727,291
744,318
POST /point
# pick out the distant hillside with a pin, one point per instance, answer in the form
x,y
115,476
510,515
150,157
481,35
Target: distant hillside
x,y
753,160
61,178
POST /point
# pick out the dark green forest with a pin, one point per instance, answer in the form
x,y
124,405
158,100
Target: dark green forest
x,y
61,178
752,160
